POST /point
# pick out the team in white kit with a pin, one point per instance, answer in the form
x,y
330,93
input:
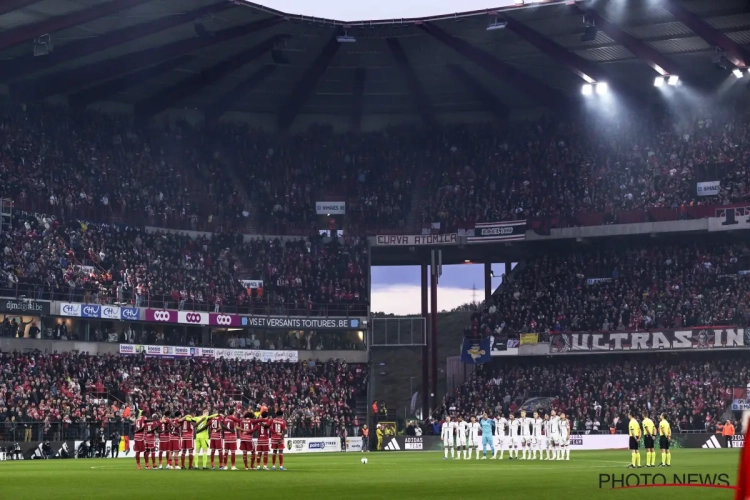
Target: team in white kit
x,y
549,436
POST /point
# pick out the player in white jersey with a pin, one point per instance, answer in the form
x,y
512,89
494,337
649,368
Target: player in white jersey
x,y
473,437
500,425
564,437
525,434
545,438
447,434
536,436
554,433
461,428
514,437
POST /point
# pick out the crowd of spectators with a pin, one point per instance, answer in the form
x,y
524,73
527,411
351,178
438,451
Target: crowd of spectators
x,y
622,287
107,263
692,389
100,167
560,169
61,395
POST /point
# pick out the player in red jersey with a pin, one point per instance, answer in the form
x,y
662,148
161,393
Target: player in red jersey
x,y
187,425
231,423
278,429
264,430
140,439
165,440
216,430
152,427
175,426
247,429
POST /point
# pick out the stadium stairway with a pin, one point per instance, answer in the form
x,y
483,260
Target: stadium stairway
x,y
360,409
230,159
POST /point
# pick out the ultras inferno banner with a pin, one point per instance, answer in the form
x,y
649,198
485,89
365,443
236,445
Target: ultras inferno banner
x,y
698,338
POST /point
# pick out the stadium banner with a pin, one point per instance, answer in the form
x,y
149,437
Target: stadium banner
x,y
91,311
25,307
110,312
295,323
130,313
710,188
529,339
252,284
312,445
34,450
192,318
330,207
706,441
487,232
161,315
740,405
412,443
257,355
577,442
69,309
730,219
167,351
596,281
416,240
354,443
719,337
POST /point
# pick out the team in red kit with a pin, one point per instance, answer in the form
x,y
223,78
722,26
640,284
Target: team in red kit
x,y
176,435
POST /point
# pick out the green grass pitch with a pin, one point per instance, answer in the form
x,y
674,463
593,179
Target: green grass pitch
x,y
387,476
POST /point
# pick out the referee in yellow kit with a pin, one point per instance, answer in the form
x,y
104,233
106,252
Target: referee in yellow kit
x,y
665,433
634,430
649,436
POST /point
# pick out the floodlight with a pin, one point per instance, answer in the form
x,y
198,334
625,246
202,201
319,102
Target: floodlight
x,y
737,72
659,81
587,89
673,79
602,88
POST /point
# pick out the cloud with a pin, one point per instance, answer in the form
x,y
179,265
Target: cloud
x,y
407,299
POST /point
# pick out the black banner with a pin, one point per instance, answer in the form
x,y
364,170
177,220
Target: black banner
x,y
24,307
412,443
284,322
697,338
485,232
706,441
34,450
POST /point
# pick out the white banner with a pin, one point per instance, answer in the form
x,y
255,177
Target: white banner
x,y
710,188
354,444
330,207
110,312
87,269
599,441
252,283
258,355
192,318
415,240
68,309
167,350
596,281
312,445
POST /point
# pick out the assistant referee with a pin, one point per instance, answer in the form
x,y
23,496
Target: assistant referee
x,y
634,430
649,435
665,434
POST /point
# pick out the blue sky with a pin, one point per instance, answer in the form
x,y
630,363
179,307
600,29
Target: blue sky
x,y
396,289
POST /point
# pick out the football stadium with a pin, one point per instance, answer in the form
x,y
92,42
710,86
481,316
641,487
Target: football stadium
x,y
374,250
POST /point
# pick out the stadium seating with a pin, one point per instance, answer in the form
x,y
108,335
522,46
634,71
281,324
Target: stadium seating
x,y
62,395
618,287
690,388
106,263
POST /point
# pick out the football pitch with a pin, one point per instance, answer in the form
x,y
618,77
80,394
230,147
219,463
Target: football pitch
x,y
389,476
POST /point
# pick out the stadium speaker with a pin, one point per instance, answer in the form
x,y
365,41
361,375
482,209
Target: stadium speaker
x,y
589,34
278,57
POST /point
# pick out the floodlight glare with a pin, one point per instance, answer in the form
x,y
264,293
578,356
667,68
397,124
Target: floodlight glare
x,y
673,79
602,88
587,89
659,81
737,72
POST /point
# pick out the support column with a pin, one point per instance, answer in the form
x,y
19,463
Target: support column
x,y
487,281
425,352
434,333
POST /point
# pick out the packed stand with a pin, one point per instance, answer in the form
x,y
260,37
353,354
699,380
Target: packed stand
x,y
613,287
59,396
693,389
562,169
107,263
373,173
99,167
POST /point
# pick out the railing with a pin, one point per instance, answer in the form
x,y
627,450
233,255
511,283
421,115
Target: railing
x,y
256,306
27,431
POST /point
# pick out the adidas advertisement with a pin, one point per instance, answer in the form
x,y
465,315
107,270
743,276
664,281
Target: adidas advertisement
x,y
36,450
412,443
706,441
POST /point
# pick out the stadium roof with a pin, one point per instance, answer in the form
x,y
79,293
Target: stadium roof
x,y
220,56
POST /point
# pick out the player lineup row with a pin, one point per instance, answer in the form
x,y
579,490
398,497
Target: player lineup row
x,y
550,434
178,436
